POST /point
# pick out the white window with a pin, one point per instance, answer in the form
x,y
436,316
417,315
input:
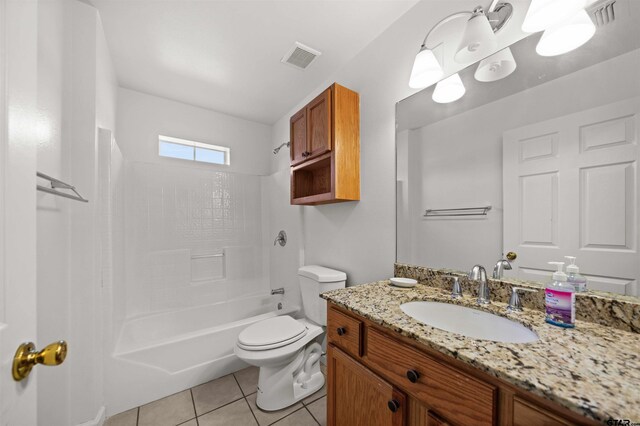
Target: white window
x,y
193,151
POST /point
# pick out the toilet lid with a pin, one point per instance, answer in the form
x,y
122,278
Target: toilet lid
x,y
271,333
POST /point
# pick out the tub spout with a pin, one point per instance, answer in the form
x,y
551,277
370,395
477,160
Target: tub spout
x,y
277,291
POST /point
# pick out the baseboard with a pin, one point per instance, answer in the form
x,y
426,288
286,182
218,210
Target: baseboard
x,y
98,420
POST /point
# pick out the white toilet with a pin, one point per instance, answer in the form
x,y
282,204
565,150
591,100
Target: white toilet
x,y
287,350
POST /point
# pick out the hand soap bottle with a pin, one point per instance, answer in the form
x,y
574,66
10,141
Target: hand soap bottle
x,y
573,275
560,299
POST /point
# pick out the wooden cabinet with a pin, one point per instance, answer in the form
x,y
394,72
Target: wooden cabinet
x,y
371,366
298,145
526,414
325,149
359,397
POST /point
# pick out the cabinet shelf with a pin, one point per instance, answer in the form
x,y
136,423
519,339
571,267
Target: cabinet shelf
x,y
325,149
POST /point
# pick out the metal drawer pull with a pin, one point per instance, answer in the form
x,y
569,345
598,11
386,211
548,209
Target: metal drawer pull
x,y
393,405
413,376
341,331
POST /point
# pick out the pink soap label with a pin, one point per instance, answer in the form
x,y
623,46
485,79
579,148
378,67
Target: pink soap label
x,y
560,307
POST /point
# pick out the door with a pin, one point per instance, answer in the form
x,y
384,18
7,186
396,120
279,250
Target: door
x,y
571,189
357,397
18,133
319,125
298,137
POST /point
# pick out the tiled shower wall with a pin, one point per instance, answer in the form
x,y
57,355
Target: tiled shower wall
x,y
192,237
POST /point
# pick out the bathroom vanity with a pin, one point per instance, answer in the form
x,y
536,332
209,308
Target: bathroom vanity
x,y
385,368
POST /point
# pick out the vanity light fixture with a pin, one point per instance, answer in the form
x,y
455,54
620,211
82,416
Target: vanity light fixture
x,y
496,67
566,36
449,90
478,39
543,14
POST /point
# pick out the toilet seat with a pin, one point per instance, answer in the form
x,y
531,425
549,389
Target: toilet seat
x,y
271,333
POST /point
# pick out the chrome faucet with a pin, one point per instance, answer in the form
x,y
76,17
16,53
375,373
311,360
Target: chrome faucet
x,y
503,265
479,274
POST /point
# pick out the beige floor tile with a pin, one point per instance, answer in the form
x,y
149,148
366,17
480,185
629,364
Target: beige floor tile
x,y
191,422
319,410
315,396
268,417
248,379
215,394
126,418
237,414
299,418
169,411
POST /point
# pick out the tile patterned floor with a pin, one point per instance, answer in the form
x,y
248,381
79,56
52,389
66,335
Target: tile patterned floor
x,y
227,401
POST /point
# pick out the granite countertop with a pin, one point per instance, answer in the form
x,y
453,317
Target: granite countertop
x,y
592,369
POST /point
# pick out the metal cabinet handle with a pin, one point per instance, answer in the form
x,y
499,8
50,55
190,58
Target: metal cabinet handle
x,y
413,376
393,405
341,331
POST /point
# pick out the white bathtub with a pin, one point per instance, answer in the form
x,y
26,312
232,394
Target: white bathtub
x,y
161,354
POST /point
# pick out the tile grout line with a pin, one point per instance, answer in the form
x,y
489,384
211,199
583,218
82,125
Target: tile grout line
x,y
312,416
245,399
250,410
193,403
217,408
301,408
238,383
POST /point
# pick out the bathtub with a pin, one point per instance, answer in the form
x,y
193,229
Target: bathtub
x,y
161,354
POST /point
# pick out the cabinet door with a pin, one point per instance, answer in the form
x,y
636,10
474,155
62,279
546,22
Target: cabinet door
x,y
319,125
434,420
298,137
525,414
357,397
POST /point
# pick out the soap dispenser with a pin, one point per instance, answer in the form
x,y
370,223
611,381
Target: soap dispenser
x,y
560,299
573,275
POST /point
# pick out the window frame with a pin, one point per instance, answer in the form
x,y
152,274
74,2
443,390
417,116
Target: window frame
x,y
193,145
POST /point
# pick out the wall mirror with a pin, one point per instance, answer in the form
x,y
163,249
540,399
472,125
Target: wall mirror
x,y
543,163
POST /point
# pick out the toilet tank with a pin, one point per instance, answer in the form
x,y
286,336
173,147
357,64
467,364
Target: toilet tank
x,y
314,280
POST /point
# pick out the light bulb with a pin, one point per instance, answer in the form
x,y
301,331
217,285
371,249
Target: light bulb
x,y
426,70
496,67
567,36
448,90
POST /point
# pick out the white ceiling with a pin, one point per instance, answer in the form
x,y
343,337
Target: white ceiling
x,y
225,55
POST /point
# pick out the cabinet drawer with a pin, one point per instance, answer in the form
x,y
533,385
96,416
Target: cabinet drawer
x,y
458,397
344,332
525,414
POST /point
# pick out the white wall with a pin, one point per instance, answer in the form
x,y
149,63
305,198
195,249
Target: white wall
x,y
357,237
142,117
461,160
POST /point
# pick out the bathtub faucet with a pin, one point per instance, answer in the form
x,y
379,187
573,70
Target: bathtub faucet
x,y
277,291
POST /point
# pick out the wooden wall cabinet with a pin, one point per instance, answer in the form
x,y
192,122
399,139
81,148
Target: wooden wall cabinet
x,y
377,377
325,149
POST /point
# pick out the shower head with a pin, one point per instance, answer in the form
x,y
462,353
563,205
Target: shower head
x,y
276,150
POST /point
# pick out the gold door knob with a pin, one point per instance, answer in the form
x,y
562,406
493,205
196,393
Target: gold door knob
x,y
27,356
511,256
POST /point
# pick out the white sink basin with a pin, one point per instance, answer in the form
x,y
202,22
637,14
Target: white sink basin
x,y
469,322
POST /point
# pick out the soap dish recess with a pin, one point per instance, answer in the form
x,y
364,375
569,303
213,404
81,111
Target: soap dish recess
x,y
403,282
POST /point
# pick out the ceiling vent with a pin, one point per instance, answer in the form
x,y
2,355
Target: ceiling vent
x,y
300,56
604,13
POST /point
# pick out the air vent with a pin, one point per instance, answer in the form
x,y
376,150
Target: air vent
x,y
604,13
300,56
